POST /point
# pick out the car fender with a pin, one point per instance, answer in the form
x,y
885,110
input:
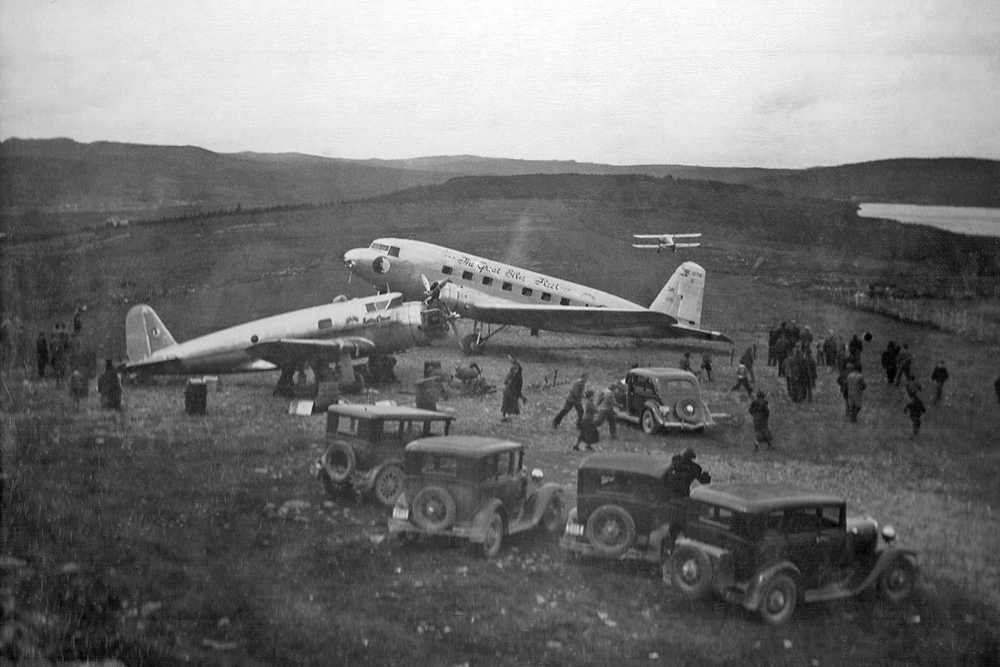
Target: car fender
x,y
542,497
657,409
372,474
482,517
887,556
753,597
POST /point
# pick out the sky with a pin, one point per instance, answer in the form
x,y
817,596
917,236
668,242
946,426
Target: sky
x,y
767,83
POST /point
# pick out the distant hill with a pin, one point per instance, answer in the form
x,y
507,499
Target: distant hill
x,y
63,175
941,181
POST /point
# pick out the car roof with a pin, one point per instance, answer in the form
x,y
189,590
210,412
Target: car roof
x,y
752,498
473,446
371,411
638,464
664,373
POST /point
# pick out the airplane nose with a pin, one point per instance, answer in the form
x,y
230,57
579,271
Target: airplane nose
x,y
352,257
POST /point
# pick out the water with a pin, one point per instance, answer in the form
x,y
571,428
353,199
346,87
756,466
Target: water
x,y
959,219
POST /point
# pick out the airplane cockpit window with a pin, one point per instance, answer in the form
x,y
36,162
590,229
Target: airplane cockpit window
x,y
326,324
379,305
393,251
396,301
379,246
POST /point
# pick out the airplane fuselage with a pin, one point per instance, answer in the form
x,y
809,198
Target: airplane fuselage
x,y
385,320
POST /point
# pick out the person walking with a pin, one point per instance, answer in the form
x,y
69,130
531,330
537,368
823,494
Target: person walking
x,y
761,414
109,385
939,376
512,386
78,387
855,390
854,349
574,401
915,408
904,365
890,359
741,380
913,387
42,353
706,365
606,411
747,360
587,424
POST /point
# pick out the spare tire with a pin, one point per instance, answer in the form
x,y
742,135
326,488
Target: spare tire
x,y
339,462
610,530
687,410
692,571
433,509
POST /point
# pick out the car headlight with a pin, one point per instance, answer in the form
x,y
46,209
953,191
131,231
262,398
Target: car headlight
x,y
888,534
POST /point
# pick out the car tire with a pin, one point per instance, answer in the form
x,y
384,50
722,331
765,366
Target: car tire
x,y
691,571
340,462
552,517
433,509
687,410
898,581
493,535
610,530
778,598
388,484
649,423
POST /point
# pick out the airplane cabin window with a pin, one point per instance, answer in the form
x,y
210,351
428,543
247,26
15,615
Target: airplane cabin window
x,y
396,301
564,301
546,296
466,275
446,270
526,291
506,287
326,324
393,251
487,280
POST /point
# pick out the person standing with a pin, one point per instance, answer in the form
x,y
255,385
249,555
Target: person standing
x,y
915,408
684,471
606,411
78,387
587,424
574,401
913,387
512,385
706,365
761,414
939,376
109,385
855,390
904,365
741,380
889,360
747,360
854,349
42,353
685,363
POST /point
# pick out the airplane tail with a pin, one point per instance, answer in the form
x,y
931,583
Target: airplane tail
x,y
681,297
145,333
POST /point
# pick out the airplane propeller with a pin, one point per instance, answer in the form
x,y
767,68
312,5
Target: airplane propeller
x,y
432,292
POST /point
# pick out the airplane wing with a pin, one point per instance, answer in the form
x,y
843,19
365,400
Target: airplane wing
x,y
288,351
646,245
569,319
652,236
686,236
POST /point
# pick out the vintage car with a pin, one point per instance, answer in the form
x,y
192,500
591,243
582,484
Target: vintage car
x,y
366,443
769,546
661,398
628,506
474,488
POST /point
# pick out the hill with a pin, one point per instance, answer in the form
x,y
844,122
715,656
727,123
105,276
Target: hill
x,y
63,175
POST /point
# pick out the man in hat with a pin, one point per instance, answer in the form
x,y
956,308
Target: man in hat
x,y
760,413
683,471
574,401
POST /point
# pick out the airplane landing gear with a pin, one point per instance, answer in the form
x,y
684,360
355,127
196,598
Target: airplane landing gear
x,y
473,344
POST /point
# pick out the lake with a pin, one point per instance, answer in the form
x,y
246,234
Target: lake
x,y
959,219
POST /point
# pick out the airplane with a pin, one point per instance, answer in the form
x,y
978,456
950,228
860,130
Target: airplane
x,y
666,241
341,332
494,293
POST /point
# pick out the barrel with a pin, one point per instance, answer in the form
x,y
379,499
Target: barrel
x,y
196,397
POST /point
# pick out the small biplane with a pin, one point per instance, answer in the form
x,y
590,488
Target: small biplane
x,y
666,241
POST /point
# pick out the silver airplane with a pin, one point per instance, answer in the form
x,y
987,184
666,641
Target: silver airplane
x,y
666,241
342,331
491,292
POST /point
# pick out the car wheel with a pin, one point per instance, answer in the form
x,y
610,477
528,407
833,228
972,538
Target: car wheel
x,y
610,530
552,518
898,580
433,509
778,598
388,484
686,410
493,537
692,571
340,462
649,423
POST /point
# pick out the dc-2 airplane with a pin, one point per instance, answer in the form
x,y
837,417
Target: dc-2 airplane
x,y
666,241
341,332
493,293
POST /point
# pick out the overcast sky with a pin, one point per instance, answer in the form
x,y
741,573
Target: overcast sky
x,y
761,83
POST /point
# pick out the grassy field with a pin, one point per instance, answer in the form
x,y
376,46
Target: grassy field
x,y
162,538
